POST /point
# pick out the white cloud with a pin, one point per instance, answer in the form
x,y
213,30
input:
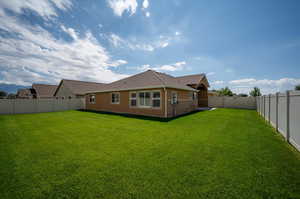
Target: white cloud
x,y
177,33
147,14
210,73
218,82
120,6
266,85
132,44
168,67
71,32
34,55
145,4
163,44
45,8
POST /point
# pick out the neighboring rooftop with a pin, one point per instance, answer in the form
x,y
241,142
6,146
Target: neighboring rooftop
x,y
24,93
81,87
44,90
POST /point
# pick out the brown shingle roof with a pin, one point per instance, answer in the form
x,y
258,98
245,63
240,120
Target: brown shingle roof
x,y
190,79
147,79
44,90
81,87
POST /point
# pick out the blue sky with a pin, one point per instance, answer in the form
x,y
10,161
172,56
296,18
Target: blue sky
x,y
239,44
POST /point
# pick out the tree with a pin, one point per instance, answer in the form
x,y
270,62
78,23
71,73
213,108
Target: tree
x,y
225,92
11,96
243,95
255,92
3,94
297,87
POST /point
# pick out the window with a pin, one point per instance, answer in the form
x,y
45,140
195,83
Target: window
x,y
133,99
115,98
156,99
92,99
174,98
145,99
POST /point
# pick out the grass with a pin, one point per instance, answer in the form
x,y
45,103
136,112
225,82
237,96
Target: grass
x,y
224,153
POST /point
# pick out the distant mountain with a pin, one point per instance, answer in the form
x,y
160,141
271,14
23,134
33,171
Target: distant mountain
x,y
11,88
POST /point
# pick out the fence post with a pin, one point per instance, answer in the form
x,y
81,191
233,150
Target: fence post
x,y
269,108
257,104
264,100
277,104
288,115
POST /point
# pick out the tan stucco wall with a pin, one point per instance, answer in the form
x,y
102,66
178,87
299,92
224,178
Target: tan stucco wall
x,y
185,104
103,103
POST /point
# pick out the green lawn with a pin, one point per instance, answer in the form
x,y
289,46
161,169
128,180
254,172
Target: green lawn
x,y
224,153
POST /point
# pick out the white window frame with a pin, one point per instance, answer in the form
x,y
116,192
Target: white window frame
x,y
138,100
176,97
133,98
156,98
92,101
111,98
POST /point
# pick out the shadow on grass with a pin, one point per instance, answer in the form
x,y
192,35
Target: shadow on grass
x,y
142,117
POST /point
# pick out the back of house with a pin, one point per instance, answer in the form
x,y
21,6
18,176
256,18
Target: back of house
x,y
150,93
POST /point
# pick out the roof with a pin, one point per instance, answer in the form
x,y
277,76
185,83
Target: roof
x,y
44,90
80,87
24,93
190,79
193,79
147,79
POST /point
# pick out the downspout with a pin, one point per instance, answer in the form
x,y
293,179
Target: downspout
x,y
166,94
166,102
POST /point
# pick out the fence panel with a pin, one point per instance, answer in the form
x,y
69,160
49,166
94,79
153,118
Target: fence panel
x,y
295,119
45,105
6,106
267,108
261,101
232,102
263,105
273,110
257,104
282,113
215,101
12,106
25,105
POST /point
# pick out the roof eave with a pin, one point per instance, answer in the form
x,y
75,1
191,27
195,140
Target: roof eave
x,y
140,88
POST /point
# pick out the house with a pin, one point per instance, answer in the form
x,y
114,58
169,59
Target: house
x,y
37,91
44,90
151,93
75,89
25,93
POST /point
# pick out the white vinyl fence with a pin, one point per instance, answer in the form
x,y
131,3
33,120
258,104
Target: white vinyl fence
x,y
232,102
282,110
14,106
